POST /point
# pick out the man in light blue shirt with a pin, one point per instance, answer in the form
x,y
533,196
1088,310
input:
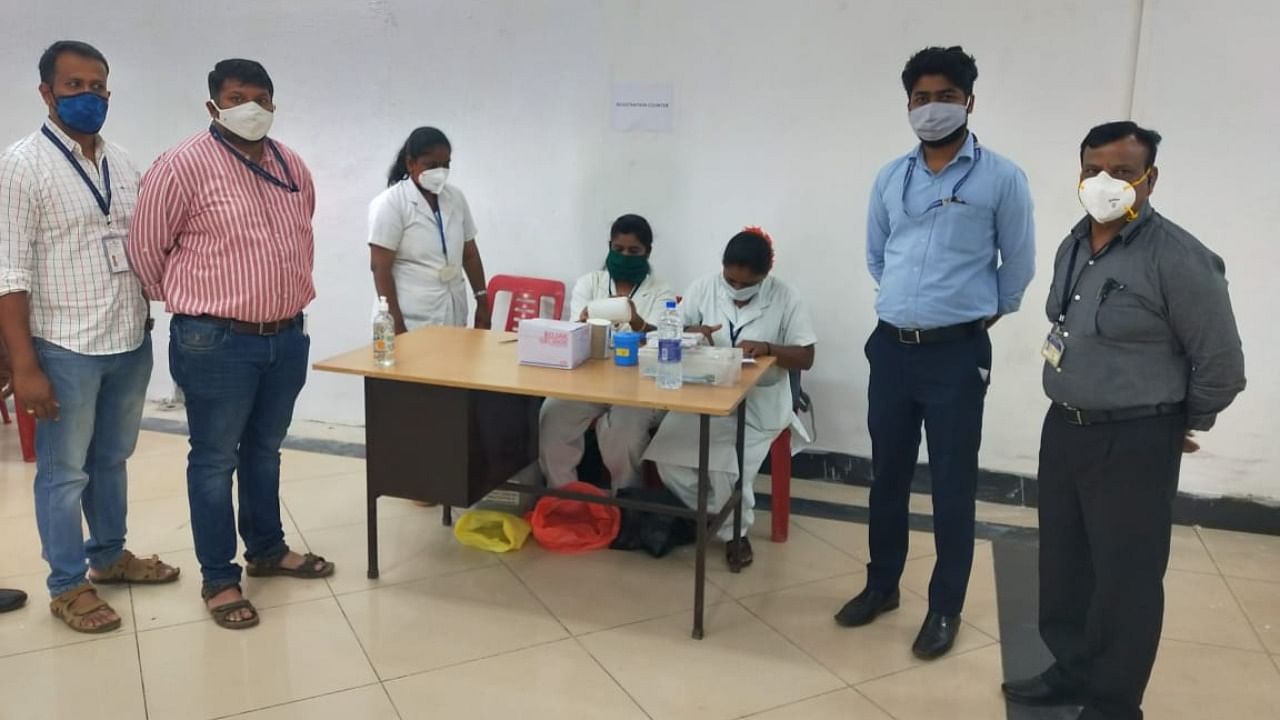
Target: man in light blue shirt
x,y
951,244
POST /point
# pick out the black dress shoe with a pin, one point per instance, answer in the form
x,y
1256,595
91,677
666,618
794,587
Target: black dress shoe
x,y
936,637
738,553
1041,691
12,600
866,607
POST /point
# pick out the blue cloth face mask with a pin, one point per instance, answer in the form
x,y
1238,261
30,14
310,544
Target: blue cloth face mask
x,y
84,112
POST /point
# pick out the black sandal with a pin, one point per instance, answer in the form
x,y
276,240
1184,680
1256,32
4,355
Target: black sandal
x,y
222,613
306,571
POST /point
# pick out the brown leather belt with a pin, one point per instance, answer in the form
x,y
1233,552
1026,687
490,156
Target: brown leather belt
x,y
261,329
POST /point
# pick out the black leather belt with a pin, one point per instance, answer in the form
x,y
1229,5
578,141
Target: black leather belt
x,y
950,333
1076,416
261,329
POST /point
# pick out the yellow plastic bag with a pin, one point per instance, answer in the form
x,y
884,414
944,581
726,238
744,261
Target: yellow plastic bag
x,y
493,531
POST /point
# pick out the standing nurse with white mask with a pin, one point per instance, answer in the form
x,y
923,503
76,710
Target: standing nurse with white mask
x,y
422,240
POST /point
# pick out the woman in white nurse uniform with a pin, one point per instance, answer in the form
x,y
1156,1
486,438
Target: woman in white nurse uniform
x,y
741,306
622,432
422,240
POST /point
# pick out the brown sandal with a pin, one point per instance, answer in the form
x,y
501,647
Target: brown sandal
x,y
222,613
138,571
306,571
61,608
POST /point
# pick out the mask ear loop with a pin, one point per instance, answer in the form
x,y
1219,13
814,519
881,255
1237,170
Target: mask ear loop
x,y
1129,214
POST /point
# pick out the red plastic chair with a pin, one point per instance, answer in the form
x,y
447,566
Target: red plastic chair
x,y
780,474
527,295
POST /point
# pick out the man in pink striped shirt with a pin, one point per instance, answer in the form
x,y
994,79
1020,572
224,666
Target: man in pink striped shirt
x,y
222,234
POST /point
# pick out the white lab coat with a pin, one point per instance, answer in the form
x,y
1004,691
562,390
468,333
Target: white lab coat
x,y
400,220
776,315
621,432
650,298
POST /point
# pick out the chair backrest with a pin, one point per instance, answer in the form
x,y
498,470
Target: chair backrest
x,y
526,298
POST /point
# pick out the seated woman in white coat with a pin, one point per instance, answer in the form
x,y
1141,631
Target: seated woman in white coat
x,y
741,306
422,240
622,432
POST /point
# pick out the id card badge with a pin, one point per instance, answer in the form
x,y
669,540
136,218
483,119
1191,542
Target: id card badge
x,y
117,260
448,273
1055,346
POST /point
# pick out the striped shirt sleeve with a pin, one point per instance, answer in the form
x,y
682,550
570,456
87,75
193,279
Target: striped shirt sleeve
x,y
157,222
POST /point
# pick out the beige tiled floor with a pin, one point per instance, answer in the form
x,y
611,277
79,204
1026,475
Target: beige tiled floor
x,y
452,632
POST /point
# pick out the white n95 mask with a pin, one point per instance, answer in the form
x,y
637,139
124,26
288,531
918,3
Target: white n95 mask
x,y
433,180
937,120
248,120
1107,199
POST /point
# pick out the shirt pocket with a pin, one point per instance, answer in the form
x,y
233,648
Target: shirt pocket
x,y
1128,316
967,228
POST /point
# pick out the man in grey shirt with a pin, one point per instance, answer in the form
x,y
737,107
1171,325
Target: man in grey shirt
x,y
1143,351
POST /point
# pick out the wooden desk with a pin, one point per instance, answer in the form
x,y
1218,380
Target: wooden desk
x,y
457,417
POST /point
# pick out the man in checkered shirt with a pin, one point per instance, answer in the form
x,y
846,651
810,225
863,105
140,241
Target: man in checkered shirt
x,y
75,322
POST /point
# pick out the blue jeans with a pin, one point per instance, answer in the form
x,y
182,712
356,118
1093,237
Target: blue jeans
x,y
240,392
80,457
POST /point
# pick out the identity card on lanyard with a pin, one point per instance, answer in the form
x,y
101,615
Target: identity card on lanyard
x,y
113,241
1055,344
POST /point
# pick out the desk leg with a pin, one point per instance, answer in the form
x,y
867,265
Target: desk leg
x,y
737,508
446,515
700,565
372,500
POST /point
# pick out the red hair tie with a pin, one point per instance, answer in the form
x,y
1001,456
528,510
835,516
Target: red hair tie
x,y
760,233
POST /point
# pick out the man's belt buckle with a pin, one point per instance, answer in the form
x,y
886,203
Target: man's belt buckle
x,y
263,332
908,337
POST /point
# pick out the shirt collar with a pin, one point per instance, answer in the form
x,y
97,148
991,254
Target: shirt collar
x,y
71,144
1127,234
966,151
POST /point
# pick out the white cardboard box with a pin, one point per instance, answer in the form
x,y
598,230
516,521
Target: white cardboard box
x,y
553,343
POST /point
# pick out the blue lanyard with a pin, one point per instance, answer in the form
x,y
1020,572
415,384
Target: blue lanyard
x,y
257,169
104,203
444,246
955,198
734,333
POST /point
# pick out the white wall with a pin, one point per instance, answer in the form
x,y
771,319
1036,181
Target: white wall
x,y
783,114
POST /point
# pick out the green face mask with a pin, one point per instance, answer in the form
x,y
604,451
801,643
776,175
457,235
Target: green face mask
x,y
627,268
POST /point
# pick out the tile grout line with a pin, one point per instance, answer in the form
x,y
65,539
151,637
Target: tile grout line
x,y
757,713
927,664
873,703
137,644
574,637
363,650
293,702
795,645
1214,646
578,641
460,663
1253,627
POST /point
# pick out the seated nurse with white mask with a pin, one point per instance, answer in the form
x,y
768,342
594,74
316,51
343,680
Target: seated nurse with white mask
x,y
422,240
740,306
622,432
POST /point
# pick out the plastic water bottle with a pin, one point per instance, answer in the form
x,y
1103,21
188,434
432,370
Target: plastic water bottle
x,y
670,335
384,336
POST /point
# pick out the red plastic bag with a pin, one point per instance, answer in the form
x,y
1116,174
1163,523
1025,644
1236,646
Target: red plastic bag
x,y
573,526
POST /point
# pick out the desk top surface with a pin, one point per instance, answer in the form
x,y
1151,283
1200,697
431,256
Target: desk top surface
x,y
484,360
